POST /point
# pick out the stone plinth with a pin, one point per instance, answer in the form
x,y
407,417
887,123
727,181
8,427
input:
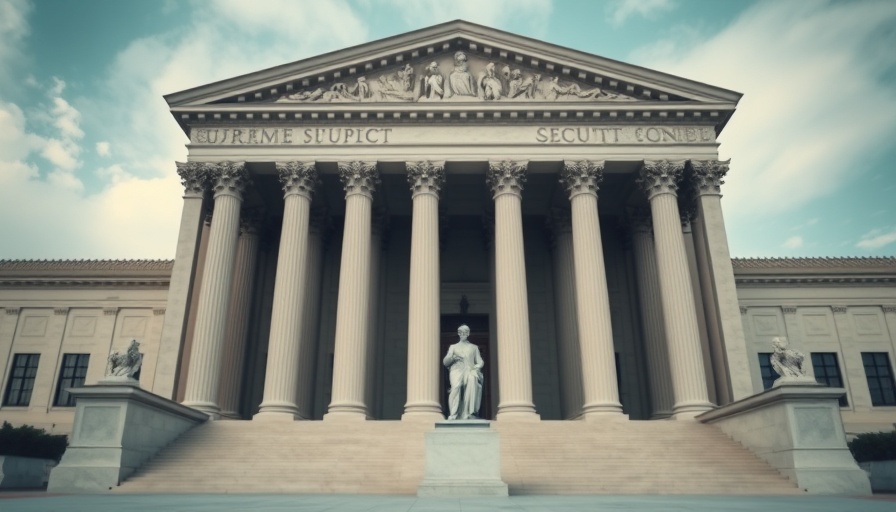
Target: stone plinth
x,y
117,428
798,430
463,458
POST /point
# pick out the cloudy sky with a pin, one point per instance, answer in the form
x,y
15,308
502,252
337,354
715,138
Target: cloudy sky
x,y
87,147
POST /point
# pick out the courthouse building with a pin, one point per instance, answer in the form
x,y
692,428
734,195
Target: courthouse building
x,y
344,214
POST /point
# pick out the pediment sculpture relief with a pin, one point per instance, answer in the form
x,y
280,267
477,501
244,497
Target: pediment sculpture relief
x,y
468,81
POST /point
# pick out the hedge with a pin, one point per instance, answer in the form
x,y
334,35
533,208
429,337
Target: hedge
x,y
874,446
28,441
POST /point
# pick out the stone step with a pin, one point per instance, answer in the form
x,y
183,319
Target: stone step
x,y
548,457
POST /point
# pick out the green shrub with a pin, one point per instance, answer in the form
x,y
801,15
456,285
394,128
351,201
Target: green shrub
x,y
27,441
874,446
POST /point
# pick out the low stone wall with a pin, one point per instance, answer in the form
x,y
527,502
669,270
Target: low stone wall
x,y
797,429
882,474
24,472
117,429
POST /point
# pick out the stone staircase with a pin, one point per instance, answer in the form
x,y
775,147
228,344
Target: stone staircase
x,y
387,457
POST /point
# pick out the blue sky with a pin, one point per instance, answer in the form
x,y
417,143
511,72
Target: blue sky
x,y
87,147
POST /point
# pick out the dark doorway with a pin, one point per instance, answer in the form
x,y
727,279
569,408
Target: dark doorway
x,y
478,325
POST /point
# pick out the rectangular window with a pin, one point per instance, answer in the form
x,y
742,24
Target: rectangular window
x,y
21,379
880,378
74,369
765,370
827,372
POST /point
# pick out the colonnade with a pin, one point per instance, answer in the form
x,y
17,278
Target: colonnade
x,y
585,337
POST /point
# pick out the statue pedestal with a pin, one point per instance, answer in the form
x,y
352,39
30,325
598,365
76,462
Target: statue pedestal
x,y
463,458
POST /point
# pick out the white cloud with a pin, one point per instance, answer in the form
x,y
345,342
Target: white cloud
x,y
794,242
494,13
622,10
814,103
135,210
103,148
876,239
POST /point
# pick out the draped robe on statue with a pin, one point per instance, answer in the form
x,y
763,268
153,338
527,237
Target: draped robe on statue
x,y
464,372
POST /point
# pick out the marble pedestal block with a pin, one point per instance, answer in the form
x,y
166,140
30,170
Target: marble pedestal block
x,y
463,458
798,430
117,428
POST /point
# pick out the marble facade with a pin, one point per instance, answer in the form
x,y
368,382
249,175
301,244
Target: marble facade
x,y
564,205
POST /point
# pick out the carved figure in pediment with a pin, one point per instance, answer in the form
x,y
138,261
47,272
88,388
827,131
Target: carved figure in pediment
x,y
460,81
519,87
555,90
432,84
395,87
490,87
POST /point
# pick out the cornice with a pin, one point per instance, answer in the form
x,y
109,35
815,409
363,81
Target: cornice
x,y
85,273
77,265
857,271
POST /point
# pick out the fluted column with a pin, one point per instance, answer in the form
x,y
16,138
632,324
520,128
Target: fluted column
x,y
229,180
599,387
311,314
238,317
194,176
659,376
352,311
506,179
426,180
660,181
379,220
729,349
280,381
565,314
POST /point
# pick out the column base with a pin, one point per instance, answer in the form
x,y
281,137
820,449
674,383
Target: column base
x,y
230,415
661,415
517,412
346,412
690,410
605,415
209,408
283,411
426,411
602,411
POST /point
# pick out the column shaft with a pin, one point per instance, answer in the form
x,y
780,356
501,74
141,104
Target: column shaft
x,y
281,376
310,321
423,298
376,250
679,315
565,318
352,311
238,322
660,379
514,356
601,392
180,290
214,297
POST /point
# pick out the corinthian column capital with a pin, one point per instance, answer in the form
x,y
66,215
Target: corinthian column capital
x,y
194,176
297,177
426,177
359,177
660,176
582,177
708,175
506,177
228,178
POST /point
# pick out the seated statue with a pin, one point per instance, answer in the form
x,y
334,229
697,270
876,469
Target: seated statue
x,y
125,365
788,363
465,374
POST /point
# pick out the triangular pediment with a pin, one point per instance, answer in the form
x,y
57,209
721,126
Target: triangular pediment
x,y
455,62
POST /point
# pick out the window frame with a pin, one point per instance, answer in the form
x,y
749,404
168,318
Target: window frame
x,y
765,366
25,381
822,376
76,379
880,379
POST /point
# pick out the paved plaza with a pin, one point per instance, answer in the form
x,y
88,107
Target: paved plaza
x,y
41,502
